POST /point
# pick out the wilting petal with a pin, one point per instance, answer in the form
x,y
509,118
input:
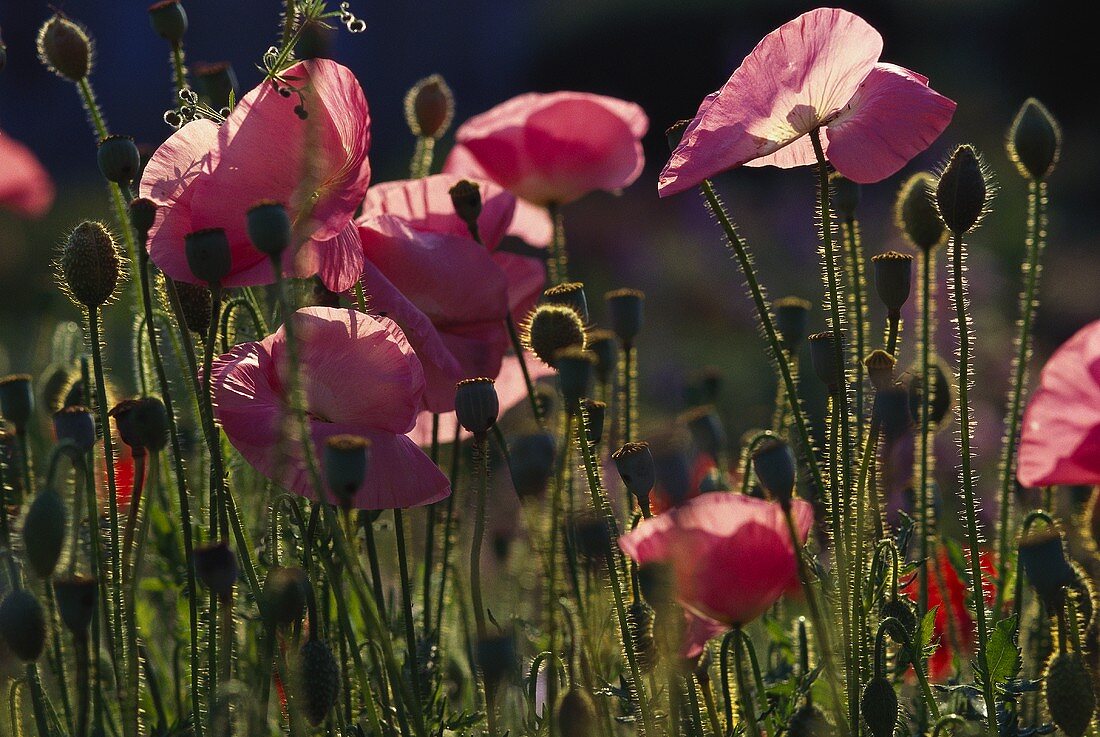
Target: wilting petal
x,y
25,187
893,116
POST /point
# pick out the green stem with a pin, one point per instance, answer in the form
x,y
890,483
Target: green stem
x,y
748,713
406,601
558,263
179,70
858,309
481,450
925,458
554,531
517,348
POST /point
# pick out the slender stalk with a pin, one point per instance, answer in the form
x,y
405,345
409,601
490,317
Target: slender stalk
x,y
406,601
481,451
745,705
554,532
517,348
558,263
858,309
925,458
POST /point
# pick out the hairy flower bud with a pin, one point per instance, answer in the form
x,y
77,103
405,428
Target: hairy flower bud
x,y
90,264
285,593
576,715
1043,559
550,328
208,254
318,680
1069,695
169,20
1034,141
774,466
77,597
44,532
119,159
568,294
962,191
902,611
216,567
23,625
893,279
65,48
792,316
429,107
879,704
477,405
197,304
626,309
346,459
916,214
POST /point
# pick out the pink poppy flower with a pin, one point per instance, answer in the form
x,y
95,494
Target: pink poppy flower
x,y
206,176
819,70
731,554
25,187
698,631
449,293
554,148
360,376
1060,439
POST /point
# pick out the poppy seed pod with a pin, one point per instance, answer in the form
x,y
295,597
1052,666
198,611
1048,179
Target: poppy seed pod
x,y
575,368
879,704
1070,699
269,228
626,309
576,715
285,594
675,133
774,465
23,625
44,532
197,306
531,463
603,346
65,48
880,369
1044,562
1034,141
466,200
208,254
823,359
429,107
496,657
17,400
846,196
77,425
169,20
89,264
346,459
916,215
77,597
142,423
552,328
568,294
118,158
962,191
893,279
942,394
318,680
707,432
792,316
216,567
143,213
634,462
217,83
596,414
477,405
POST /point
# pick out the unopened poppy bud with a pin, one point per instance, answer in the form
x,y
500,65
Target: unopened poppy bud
x,y
575,368
77,425
879,704
269,228
552,328
44,532
17,400
706,430
216,567
1043,558
208,254
675,133
893,279
216,83
892,410
318,680
197,304
118,158
496,658
603,346
1070,699
286,591
901,611
466,200
596,414
792,316
576,715
142,423
429,107
23,625
942,394
774,466
143,213
169,20
880,369
65,48
846,195
568,294
823,359
531,463
89,264
916,214
962,191
77,597
626,309
1034,140
346,459
634,462
477,405
810,721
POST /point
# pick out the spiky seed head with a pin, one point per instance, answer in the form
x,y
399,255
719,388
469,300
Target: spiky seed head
x,y
65,47
197,304
1067,686
318,680
962,192
90,264
550,328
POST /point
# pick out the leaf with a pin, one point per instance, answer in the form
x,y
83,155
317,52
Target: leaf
x,y
928,631
1002,656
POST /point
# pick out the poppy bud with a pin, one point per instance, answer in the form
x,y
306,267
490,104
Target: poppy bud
x,y
846,195
576,715
531,463
575,368
208,254
119,160
893,279
269,228
634,462
892,410
477,405
216,567
675,133
603,346
90,264
962,192
285,595
77,425
774,466
706,429
65,48
625,307
903,612
77,597
792,316
169,20
44,532
17,400
568,294
143,213
879,704
1034,140
916,214
318,680
596,413
810,721
941,399
466,200
1044,562
590,534
1069,695
197,306
823,359
429,107
880,369
23,625
552,328
639,618
495,656
216,83
346,460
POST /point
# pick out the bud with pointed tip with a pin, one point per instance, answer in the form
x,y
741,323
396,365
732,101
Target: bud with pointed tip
x,y
477,405
346,459
774,466
1043,559
962,191
65,48
1070,699
576,715
792,315
569,294
893,279
916,214
626,308
1034,141
879,704
90,264
23,625
429,107
208,254
44,532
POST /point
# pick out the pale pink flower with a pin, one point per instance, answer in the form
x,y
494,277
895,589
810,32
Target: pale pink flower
x,y
25,187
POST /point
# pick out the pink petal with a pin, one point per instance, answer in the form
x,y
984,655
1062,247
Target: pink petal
x,y
796,78
698,631
526,281
25,187
892,117
1060,439
338,261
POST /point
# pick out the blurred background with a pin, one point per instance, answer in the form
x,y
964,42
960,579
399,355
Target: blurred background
x,y
989,55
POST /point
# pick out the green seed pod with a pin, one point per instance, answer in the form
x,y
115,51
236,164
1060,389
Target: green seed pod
x,y
197,306
346,459
65,48
208,254
1067,686
466,200
568,294
626,309
550,328
810,721
143,213
823,359
90,264
23,625
531,463
893,279
575,368
286,591
17,400
217,83
902,610
603,346
774,466
269,228
962,191
318,680
216,567
576,715
429,107
169,20
916,215
634,462
879,704
44,532
119,160
1034,141
76,602
792,316
477,405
